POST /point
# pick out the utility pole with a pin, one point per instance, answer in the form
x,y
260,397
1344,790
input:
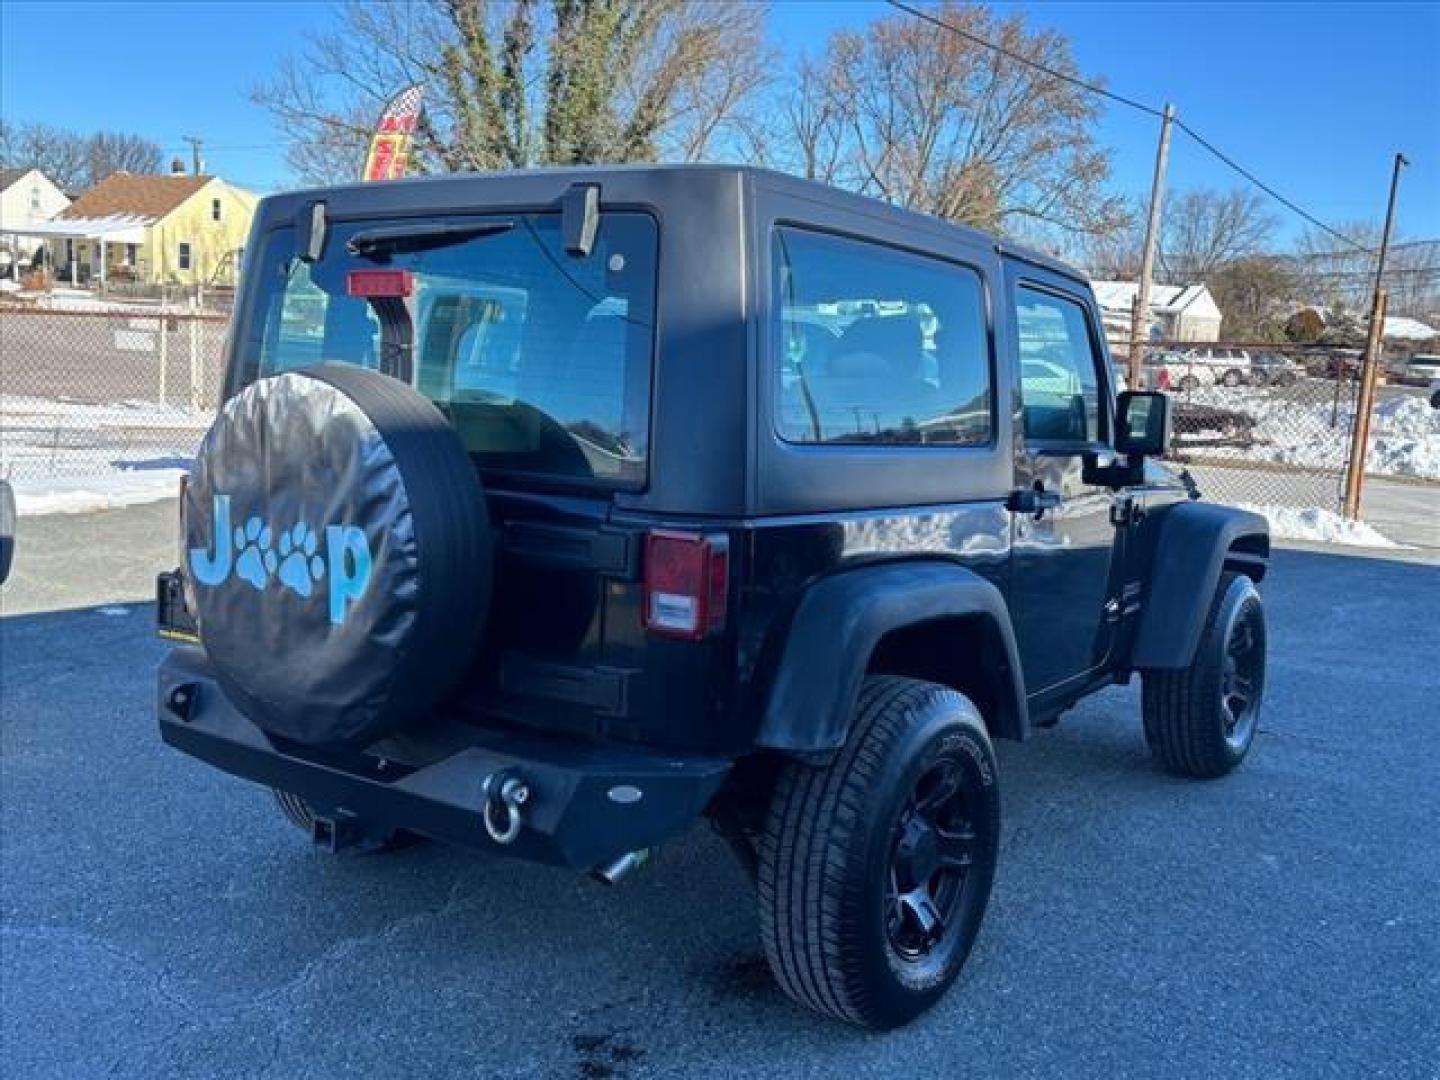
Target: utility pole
x,y
1369,373
1140,314
196,165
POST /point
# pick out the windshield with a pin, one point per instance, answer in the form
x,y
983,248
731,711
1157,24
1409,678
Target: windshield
x,y
540,359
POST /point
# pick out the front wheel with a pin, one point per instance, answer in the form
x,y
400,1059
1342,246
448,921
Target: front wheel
x,y
1200,720
875,871
1232,377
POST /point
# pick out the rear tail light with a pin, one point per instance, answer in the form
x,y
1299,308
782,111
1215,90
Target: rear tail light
x,y
687,577
1162,379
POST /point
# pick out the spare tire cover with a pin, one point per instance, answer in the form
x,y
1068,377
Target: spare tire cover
x,y
337,555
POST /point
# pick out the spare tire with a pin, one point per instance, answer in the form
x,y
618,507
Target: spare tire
x,y
338,554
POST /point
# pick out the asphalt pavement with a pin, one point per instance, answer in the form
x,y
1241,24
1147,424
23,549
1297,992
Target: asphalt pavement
x,y
161,919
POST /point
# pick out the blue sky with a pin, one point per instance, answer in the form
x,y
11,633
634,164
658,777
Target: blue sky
x,y
1314,98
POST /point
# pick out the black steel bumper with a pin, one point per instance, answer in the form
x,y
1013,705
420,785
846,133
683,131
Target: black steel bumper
x,y
589,803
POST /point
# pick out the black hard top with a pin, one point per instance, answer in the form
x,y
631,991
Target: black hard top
x,y
625,184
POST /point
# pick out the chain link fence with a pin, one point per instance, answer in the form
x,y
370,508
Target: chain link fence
x,y
1271,425
99,390
102,392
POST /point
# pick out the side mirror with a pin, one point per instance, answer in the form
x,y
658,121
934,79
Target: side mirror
x,y
1142,423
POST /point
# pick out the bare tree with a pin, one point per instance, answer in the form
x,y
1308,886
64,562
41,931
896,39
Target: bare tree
x,y
510,84
1203,229
923,118
109,152
75,161
58,153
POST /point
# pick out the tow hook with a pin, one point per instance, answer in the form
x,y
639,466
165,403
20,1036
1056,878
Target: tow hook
x,y
505,792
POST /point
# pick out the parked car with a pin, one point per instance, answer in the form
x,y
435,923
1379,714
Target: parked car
x,y
1229,367
1274,369
1423,369
1434,393
664,571
1174,371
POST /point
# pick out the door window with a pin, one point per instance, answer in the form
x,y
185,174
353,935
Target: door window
x,y
1059,383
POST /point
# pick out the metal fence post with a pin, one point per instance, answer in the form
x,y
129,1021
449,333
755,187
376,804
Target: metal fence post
x,y
164,349
194,363
1360,427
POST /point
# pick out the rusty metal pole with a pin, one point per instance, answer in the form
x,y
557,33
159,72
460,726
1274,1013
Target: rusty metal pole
x,y
1140,313
1360,429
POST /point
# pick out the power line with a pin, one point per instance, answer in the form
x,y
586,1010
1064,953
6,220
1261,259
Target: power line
x,y
1095,88
1268,189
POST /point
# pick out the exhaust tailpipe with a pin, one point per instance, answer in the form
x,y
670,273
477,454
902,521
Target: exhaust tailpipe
x,y
612,872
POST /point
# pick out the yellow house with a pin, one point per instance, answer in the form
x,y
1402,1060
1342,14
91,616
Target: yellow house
x,y
153,230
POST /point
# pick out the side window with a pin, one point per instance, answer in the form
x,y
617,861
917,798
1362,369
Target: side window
x,y
184,256
1058,381
877,345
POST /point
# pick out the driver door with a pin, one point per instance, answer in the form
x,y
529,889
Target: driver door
x,y
1065,550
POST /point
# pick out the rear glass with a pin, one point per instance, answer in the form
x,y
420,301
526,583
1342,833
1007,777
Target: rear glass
x,y
540,359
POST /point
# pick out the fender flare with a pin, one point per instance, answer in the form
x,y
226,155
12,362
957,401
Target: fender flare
x,y
836,627
1193,546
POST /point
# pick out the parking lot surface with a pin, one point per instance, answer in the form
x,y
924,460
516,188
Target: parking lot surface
x,y
160,919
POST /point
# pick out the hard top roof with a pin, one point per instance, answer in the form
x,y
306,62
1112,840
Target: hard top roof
x,y
767,178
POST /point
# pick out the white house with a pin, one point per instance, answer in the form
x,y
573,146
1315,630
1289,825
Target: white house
x,y
1177,312
27,196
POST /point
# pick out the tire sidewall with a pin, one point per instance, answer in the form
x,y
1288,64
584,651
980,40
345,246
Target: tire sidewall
x,y
1237,600
945,727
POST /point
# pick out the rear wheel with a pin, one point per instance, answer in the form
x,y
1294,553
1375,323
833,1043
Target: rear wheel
x,y
1232,377
875,871
1200,721
1189,382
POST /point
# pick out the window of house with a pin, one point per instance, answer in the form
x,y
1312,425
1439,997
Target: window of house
x,y
131,254
1058,381
214,209
878,345
34,201
184,256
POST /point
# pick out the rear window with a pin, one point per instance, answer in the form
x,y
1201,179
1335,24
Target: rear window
x,y
540,359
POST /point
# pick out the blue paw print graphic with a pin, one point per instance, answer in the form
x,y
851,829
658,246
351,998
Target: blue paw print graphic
x,y
256,561
300,567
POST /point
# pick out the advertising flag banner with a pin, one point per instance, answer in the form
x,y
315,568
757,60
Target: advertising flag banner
x,y
389,155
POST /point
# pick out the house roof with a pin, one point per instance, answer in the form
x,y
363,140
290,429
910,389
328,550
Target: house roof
x,y
131,195
1119,296
1402,327
9,176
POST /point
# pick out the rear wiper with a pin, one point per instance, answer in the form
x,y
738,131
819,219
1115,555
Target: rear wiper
x,y
382,242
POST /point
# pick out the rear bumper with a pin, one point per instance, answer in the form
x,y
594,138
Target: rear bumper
x,y
583,808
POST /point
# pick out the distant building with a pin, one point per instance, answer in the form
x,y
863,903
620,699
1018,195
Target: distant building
x,y
1177,312
27,197
154,230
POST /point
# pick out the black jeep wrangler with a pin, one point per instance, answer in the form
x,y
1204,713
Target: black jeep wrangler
x,y
550,511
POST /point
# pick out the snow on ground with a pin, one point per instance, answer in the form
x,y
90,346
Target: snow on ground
x,y
1404,431
1320,526
107,491
71,457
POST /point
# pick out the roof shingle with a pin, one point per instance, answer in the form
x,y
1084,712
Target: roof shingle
x,y
132,194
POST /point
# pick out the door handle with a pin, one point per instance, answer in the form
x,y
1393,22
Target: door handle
x,y
1034,500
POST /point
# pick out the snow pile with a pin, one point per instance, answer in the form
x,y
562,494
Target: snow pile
x,y
1404,432
102,491
71,456
1320,527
